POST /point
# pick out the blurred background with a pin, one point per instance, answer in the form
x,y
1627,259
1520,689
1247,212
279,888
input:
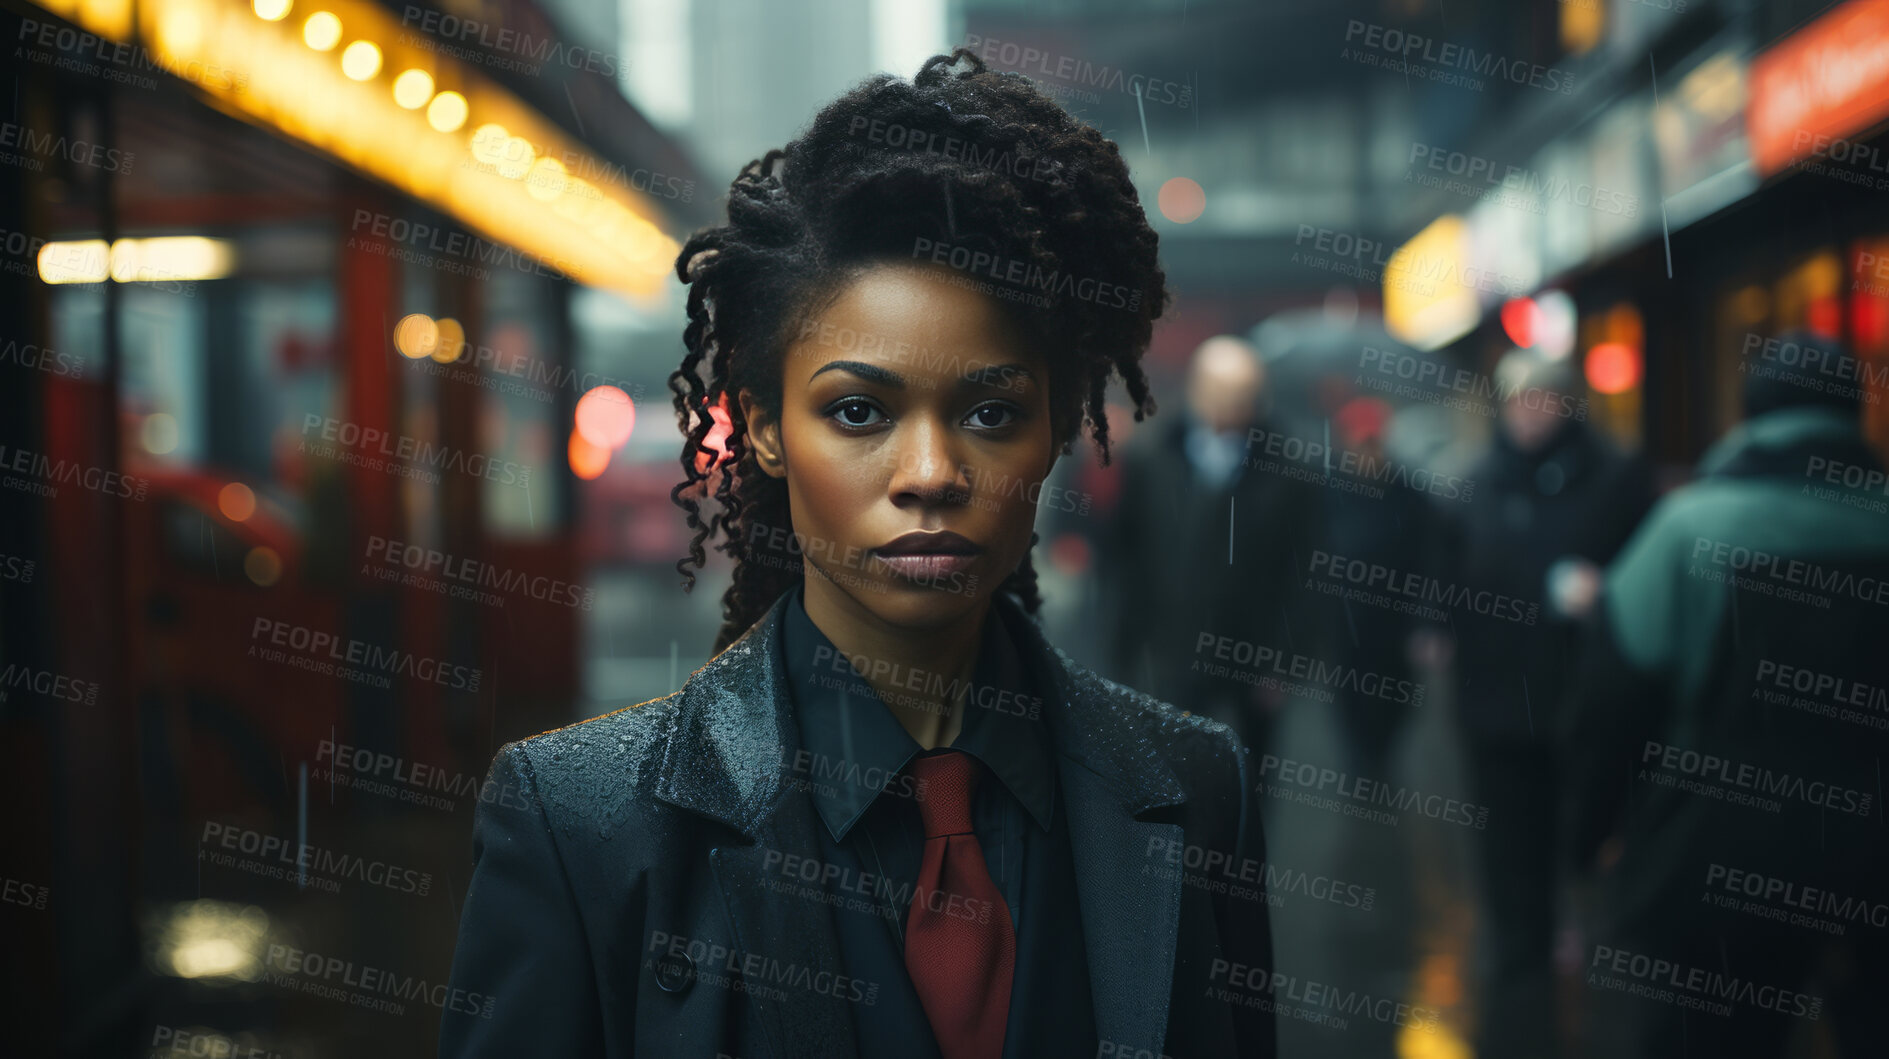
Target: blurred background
x,y
336,444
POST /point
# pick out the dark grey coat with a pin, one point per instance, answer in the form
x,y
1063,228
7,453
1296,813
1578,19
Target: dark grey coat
x,y
632,899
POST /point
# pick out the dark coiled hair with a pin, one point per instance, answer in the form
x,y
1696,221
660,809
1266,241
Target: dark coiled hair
x,y
959,155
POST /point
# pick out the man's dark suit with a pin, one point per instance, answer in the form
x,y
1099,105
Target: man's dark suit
x,y
633,900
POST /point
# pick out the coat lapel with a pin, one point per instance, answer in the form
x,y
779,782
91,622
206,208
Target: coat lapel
x,y
724,761
1111,775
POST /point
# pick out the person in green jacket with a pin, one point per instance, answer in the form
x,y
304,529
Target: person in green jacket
x,y
1721,756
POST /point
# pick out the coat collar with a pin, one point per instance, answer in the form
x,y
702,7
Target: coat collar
x,y
734,726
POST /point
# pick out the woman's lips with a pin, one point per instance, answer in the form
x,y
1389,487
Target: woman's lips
x,y
927,556
926,566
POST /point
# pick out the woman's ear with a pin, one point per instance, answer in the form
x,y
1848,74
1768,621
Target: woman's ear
x,y
764,436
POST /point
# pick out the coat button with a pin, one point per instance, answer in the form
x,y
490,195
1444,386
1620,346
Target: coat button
x,y
675,972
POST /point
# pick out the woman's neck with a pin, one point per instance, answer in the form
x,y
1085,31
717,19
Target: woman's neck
x,y
920,674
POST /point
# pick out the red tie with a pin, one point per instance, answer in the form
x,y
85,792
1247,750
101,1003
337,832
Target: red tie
x,y
959,946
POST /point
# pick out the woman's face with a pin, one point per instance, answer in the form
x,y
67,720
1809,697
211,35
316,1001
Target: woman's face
x,y
908,408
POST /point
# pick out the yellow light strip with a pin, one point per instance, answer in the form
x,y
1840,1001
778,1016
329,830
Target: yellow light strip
x,y
159,260
574,214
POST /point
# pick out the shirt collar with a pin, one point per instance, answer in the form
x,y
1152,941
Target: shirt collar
x,y
853,748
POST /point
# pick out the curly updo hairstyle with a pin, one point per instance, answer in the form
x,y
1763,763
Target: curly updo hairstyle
x,y
962,156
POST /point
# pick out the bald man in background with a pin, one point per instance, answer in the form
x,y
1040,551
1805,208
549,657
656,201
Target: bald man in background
x,y
1198,564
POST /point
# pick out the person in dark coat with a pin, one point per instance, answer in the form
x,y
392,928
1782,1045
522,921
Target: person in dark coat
x,y
1215,516
1553,502
888,817
1722,756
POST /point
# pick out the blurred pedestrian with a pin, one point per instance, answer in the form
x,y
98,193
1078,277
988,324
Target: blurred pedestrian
x,y
1723,752
1553,501
1204,545
1374,515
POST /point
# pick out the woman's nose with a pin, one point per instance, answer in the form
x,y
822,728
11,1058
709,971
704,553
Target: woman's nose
x,y
926,466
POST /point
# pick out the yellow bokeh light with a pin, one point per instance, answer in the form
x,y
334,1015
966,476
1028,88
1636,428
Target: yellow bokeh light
x,y
447,112
547,179
360,61
451,342
170,259
322,31
181,30
237,502
272,10
84,261
488,143
516,158
416,336
413,88
159,433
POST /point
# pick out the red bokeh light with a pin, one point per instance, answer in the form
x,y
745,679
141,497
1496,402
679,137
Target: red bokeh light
x,y
1613,367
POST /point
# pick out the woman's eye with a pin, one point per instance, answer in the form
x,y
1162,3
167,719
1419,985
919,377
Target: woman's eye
x,y
992,416
854,413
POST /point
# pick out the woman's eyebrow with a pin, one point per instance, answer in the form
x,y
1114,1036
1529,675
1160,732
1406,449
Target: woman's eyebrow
x,y
868,372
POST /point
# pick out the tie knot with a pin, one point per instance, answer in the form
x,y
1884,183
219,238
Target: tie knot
x,y
944,799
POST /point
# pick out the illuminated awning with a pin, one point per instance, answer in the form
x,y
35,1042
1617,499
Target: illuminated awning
x,y
343,77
